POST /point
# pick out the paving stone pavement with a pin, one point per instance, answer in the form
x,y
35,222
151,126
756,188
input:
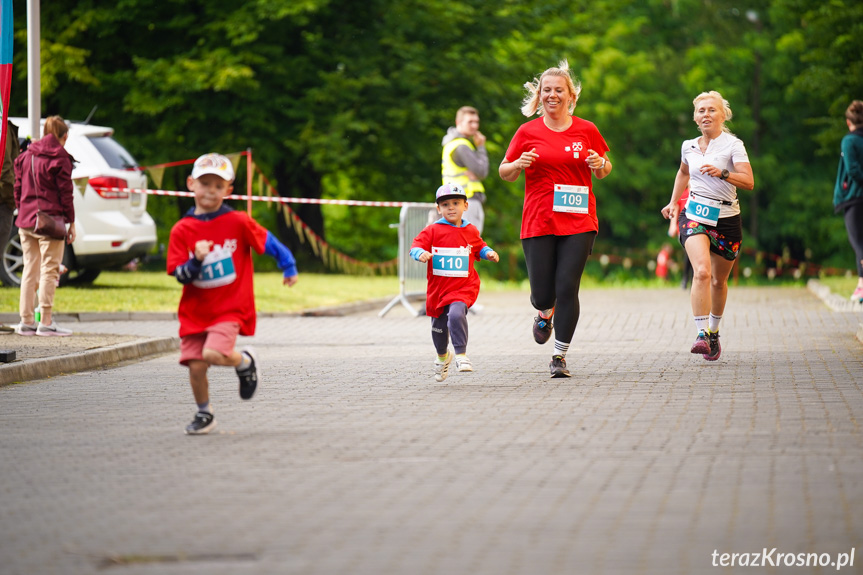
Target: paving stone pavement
x,y
351,459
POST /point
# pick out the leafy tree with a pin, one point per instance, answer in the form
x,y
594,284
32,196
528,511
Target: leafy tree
x,y
345,99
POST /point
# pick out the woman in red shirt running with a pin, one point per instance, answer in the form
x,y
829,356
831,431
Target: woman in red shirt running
x,y
558,153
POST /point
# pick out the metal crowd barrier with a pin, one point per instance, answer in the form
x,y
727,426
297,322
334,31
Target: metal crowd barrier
x,y
412,274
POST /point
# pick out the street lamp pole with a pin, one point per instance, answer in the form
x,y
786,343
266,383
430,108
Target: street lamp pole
x,y
34,70
753,17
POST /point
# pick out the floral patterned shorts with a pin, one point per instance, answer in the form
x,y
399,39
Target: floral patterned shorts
x,y
725,237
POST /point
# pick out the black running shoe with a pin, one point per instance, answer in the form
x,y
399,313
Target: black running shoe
x,y
715,347
558,366
542,328
203,423
702,344
249,376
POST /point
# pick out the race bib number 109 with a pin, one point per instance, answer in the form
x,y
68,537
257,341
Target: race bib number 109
x,y
571,199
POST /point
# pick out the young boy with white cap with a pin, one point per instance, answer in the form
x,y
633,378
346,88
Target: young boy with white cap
x,y
450,246
209,252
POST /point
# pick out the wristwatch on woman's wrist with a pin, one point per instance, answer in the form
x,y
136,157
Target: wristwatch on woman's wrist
x,y
604,161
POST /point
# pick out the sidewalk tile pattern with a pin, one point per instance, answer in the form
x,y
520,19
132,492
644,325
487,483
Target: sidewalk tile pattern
x,y
351,459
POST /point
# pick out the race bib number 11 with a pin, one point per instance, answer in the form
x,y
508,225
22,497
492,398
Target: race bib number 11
x,y
571,199
450,262
217,270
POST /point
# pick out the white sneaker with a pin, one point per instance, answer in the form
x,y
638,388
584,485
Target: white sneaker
x,y
462,363
24,329
52,330
441,368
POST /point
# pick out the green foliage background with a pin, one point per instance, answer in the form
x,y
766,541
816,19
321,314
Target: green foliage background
x,y
346,99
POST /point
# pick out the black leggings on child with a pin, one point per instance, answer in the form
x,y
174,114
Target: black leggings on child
x,y
451,322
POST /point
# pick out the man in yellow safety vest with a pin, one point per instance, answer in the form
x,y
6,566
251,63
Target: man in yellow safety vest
x,y
465,161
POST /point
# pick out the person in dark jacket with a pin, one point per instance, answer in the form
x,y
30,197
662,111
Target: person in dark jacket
x,y
7,195
43,181
848,192
7,183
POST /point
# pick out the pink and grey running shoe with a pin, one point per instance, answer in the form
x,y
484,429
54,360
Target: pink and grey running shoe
x,y
702,344
542,327
715,347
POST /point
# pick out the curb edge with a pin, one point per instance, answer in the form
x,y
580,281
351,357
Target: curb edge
x,y
41,368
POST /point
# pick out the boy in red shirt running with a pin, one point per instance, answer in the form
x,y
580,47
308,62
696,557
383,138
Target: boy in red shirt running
x,y
450,246
209,252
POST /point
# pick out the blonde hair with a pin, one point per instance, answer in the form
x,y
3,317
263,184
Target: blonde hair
x,y
726,107
531,104
465,111
55,125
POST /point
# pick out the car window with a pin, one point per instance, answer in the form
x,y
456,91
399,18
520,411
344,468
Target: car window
x,y
115,154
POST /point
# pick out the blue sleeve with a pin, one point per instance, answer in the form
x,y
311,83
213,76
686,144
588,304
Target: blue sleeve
x,y
415,253
283,256
483,253
188,272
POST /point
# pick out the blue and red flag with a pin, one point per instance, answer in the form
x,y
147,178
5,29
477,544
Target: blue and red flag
x,y
5,70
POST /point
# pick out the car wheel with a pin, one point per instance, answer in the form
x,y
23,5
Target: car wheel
x,y
13,260
13,265
75,275
82,276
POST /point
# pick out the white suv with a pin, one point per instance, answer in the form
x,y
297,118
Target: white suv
x,y
111,228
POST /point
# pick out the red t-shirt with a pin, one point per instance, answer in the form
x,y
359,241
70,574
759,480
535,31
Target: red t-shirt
x,y
561,161
443,290
224,290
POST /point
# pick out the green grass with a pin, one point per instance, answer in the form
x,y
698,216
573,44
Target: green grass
x,y
143,291
840,285
159,292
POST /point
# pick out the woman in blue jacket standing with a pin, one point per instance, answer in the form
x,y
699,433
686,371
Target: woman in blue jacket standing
x,y
848,193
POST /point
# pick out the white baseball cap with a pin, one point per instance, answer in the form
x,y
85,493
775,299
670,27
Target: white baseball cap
x,y
214,164
449,191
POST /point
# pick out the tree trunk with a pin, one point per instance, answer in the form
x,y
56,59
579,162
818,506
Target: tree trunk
x,y
298,180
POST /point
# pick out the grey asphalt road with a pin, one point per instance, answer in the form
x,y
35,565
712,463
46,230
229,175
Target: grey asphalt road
x,y
351,459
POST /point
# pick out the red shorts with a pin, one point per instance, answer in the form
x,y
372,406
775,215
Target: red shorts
x,y
221,337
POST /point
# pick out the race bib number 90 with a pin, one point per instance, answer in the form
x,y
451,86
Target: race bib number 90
x,y
217,270
571,199
703,210
450,262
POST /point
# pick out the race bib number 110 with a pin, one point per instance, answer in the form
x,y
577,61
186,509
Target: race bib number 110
x,y
450,262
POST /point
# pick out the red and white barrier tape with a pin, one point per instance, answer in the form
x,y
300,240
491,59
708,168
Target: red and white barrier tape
x,y
280,200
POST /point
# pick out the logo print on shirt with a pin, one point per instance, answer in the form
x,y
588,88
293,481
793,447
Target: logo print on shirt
x,y
575,148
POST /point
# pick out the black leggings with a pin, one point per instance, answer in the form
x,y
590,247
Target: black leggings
x,y
452,322
854,225
554,267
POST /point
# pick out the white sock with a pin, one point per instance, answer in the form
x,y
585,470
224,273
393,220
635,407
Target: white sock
x,y
702,323
714,323
245,362
560,348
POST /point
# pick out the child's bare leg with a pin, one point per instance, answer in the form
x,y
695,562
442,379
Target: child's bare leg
x,y
213,357
199,381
